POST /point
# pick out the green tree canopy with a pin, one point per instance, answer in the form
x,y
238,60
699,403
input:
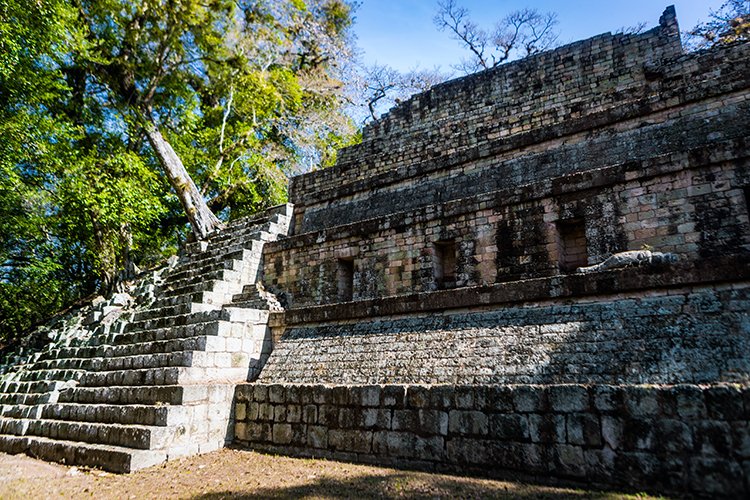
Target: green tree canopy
x,y
121,120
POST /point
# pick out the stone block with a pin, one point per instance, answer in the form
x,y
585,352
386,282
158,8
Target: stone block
x,y
282,434
741,440
328,415
713,438
417,397
608,398
240,412
279,413
276,393
639,434
357,441
260,393
568,461
530,399
339,395
310,414
509,427
375,418
441,397
468,451
463,397
584,430
547,428
612,431
468,423
407,445
568,398
293,413
240,431
690,402
641,401
394,396
265,411
294,394
317,436
717,477
258,432
724,402
500,398
673,437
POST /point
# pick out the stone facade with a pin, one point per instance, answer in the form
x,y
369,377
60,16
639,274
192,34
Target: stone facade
x,y
680,438
433,312
423,302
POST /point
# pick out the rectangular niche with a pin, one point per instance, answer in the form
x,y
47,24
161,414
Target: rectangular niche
x,y
572,246
445,263
345,279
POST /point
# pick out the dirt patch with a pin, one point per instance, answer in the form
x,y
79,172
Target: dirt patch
x,y
244,474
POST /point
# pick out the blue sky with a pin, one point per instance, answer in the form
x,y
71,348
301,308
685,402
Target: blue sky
x,y
400,33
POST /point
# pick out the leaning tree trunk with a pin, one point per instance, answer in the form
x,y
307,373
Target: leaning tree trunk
x,y
202,219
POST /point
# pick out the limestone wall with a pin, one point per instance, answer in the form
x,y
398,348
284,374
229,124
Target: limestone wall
x,y
683,335
692,203
677,439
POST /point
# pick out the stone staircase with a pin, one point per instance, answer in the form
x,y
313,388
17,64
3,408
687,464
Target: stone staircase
x,y
133,387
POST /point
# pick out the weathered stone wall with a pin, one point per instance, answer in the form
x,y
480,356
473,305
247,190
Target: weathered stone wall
x,y
443,250
693,335
573,82
682,438
691,203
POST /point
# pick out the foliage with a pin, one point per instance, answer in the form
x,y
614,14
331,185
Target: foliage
x,y
245,92
520,34
383,86
731,23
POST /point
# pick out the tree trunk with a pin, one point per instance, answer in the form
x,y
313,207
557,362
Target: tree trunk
x,y
202,219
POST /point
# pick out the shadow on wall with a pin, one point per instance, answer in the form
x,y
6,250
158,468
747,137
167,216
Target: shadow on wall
x,y
699,336
410,485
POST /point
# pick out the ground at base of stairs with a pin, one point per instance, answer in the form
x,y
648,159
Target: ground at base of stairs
x,y
237,474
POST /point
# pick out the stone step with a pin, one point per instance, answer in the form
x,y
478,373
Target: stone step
x,y
190,269
208,343
127,435
211,328
124,395
205,297
230,285
224,275
178,358
172,375
47,375
30,387
26,399
112,458
174,310
176,321
116,414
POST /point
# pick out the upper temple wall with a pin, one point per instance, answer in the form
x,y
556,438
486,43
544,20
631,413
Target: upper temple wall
x,y
475,114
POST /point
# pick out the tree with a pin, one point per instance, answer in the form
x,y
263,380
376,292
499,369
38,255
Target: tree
x,y
382,86
105,105
521,33
729,24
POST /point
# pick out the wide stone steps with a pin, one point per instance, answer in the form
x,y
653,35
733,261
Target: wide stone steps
x,y
157,383
111,458
210,285
113,414
174,310
172,375
198,343
178,358
176,321
126,435
124,395
217,328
